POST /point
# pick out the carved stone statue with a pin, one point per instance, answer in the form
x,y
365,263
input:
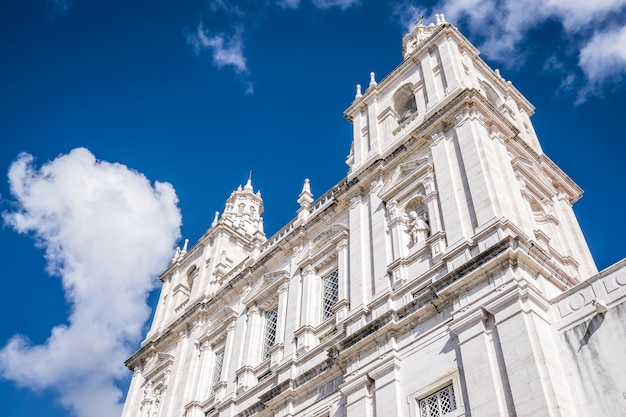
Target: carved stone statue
x,y
418,228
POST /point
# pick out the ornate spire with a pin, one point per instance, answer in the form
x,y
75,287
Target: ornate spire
x,y
248,186
243,211
305,199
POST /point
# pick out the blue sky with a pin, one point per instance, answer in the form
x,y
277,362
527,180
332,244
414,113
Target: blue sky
x,y
118,105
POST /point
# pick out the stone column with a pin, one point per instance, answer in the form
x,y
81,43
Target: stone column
x,y
359,262
373,130
229,366
133,399
481,178
194,371
387,387
397,229
487,394
430,87
278,348
530,358
309,315
252,349
438,244
178,378
451,63
343,304
358,396
202,381
454,205
165,301
377,249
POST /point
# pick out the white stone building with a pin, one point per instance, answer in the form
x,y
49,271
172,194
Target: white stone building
x,y
446,275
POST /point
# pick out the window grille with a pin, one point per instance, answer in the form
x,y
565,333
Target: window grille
x,y
271,321
217,367
331,294
438,403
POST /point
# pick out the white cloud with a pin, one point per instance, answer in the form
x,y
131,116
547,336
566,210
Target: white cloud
x,y
604,58
407,14
342,4
225,50
288,4
577,14
504,25
225,6
106,232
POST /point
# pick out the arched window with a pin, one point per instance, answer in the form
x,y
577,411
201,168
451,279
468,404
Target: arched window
x,y
191,276
404,102
491,94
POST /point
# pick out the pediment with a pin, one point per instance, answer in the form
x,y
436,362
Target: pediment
x,y
330,233
214,332
156,364
265,286
403,176
534,178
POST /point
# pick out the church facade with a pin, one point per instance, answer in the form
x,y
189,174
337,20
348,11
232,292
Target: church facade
x,y
446,275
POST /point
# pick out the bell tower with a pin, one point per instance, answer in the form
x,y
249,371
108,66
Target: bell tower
x,y
444,108
234,236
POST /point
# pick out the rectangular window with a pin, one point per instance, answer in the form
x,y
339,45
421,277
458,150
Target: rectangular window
x,y
271,322
331,294
438,403
217,368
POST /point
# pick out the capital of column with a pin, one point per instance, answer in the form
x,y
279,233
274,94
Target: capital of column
x,y
308,270
252,310
437,137
375,186
343,244
283,288
231,326
204,346
354,201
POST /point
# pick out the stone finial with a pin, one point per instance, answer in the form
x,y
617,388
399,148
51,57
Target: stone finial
x,y
184,249
306,197
215,219
441,18
373,82
176,255
358,91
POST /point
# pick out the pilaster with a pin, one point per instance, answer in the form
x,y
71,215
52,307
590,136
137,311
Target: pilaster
x,y
359,266
387,386
377,248
358,396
